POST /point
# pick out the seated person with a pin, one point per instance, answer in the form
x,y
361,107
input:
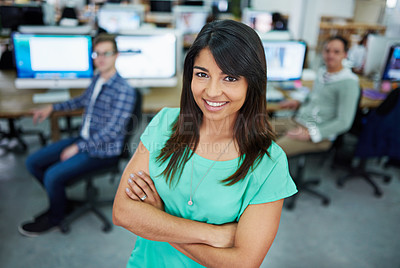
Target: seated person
x,y
278,22
328,110
357,55
108,102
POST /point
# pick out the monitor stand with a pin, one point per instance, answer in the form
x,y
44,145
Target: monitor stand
x,y
52,95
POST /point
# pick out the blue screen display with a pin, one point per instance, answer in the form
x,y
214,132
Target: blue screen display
x,y
392,68
53,56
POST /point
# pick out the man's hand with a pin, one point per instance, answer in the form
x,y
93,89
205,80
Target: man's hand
x,y
41,114
289,104
69,152
299,133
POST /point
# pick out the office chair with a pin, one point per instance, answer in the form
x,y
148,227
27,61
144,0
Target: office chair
x,y
69,17
306,185
16,133
378,137
91,201
361,171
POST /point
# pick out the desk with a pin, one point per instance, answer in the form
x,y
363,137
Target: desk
x,y
16,103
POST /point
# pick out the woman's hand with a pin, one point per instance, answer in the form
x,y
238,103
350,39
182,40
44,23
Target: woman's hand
x,y
141,188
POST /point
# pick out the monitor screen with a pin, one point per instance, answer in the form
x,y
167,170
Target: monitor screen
x,y
161,5
149,58
43,59
259,20
13,16
392,67
285,59
114,18
377,46
192,3
190,19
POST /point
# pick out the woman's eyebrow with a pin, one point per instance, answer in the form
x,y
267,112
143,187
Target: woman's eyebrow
x,y
200,68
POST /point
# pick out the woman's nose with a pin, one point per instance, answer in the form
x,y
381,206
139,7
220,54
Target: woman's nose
x,y
213,89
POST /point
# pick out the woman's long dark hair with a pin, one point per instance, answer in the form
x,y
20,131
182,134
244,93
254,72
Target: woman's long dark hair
x,y
238,51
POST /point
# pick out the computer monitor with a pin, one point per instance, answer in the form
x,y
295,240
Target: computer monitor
x,y
52,61
150,57
115,18
12,16
392,67
190,19
192,3
285,59
377,48
259,20
163,6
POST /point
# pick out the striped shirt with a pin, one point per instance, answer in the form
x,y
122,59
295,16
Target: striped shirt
x,y
108,117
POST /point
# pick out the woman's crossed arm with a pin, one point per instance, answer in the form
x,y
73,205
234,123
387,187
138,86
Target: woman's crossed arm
x,y
244,244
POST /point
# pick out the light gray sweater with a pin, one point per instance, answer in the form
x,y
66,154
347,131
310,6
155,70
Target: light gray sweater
x,y
330,107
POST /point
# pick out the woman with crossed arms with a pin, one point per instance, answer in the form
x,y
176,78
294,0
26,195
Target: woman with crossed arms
x,y
206,184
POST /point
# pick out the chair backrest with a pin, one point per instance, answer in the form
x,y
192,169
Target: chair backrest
x,y
132,125
343,155
69,12
355,128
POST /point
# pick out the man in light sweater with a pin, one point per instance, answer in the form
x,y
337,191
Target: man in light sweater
x,y
328,110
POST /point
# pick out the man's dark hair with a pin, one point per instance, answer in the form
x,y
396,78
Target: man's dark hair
x,y
341,39
105,38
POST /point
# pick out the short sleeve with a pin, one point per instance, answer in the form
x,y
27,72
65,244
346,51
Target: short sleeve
x,y
159,129
274,177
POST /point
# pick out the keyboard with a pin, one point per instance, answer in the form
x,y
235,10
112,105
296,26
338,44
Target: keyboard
x,y
274,95
51,97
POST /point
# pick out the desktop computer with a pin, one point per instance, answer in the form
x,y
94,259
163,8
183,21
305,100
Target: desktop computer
x,y
391,71
285,62
150,57
114,18
54,62
259,20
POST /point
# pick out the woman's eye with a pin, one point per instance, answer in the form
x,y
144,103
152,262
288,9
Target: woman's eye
x,y
230,79
201,74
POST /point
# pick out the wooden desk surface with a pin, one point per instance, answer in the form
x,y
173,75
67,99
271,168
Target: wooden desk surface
x,y
18,102
15,102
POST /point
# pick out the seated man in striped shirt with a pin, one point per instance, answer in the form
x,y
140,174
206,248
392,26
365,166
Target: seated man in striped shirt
x,y
108,102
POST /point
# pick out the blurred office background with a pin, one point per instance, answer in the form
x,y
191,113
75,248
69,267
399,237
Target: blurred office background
x,y
357,229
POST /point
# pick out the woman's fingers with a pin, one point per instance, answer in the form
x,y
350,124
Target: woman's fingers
x,y
148,180
138,186
134,191
131,195
142,188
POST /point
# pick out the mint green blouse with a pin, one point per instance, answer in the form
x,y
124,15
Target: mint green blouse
x,y
213,202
